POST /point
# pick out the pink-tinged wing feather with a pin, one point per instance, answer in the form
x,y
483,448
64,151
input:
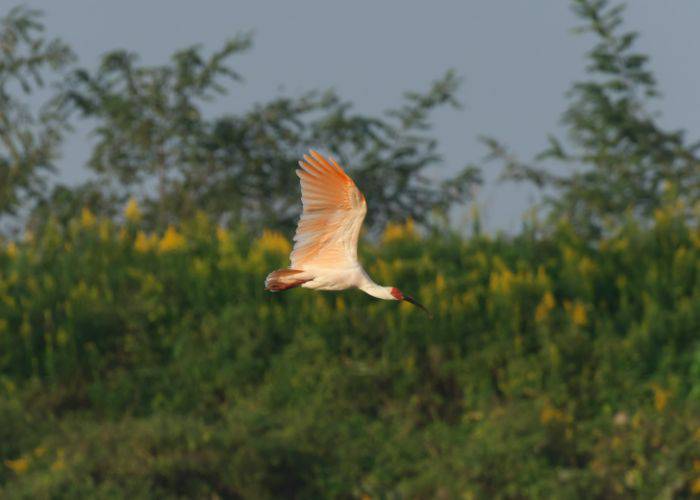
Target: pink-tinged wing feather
x,y
333,212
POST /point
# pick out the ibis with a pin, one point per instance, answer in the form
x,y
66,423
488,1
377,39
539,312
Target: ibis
x,y
324,256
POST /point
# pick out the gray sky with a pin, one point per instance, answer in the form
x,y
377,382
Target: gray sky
x,y
517,59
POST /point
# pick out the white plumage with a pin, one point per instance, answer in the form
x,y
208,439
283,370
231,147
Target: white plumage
x,y
324,256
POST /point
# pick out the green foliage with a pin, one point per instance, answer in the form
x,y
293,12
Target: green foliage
x,y
143,365
140,356
150,117
152,132
250,178
29,135
618,159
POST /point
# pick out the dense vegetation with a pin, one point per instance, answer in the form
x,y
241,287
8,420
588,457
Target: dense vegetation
x,y
147,365
140,356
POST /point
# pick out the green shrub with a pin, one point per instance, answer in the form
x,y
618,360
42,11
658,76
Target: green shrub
x,y
137,365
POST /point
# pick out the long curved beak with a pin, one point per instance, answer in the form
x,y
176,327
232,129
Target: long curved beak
x,y
413,301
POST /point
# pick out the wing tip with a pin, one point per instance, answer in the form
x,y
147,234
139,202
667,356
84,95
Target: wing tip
x,y
319,157
328,162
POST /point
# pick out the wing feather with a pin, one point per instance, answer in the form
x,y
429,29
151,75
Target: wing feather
x,y
330,223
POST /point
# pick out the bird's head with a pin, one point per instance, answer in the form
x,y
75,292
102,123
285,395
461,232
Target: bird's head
x,y
398,295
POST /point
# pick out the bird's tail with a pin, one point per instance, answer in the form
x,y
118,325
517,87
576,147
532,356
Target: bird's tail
x,y
284,279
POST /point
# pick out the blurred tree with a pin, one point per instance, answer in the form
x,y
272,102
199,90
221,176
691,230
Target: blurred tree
x,y
152,136
149,117
248,169
30,136
622,158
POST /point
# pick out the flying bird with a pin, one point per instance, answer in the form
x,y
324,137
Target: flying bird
x,y
324,256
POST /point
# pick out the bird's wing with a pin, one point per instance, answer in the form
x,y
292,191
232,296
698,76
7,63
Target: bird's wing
x,y
333,212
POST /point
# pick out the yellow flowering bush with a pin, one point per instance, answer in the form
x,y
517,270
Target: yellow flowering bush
x,y
545,306
87,219
132,212
577,312
11,250
145,242
272,242
395,231
18,466
171,241
551,365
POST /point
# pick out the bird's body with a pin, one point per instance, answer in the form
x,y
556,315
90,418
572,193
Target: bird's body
x,y
324,256
342,279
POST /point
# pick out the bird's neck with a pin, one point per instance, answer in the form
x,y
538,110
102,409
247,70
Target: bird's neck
x,y
375,290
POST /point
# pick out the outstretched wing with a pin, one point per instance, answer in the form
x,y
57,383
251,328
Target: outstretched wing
x,y
333,212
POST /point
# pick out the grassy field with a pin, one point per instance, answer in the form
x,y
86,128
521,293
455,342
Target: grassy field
x,y
140,366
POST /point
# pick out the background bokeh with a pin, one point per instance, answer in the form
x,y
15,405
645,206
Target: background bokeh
x,y
517,61
147,187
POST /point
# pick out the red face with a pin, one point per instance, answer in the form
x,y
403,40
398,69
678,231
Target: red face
x,y
396,293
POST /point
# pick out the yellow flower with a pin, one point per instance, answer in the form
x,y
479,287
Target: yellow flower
x,y
551,414
440,283
87,219
145,243
171,241
632,477
59,463
11,250
132,211
544,307
105,229
18,466
273,242
695,486
577,312
222,235
396,231
502,281
695,236
660,397
61,336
